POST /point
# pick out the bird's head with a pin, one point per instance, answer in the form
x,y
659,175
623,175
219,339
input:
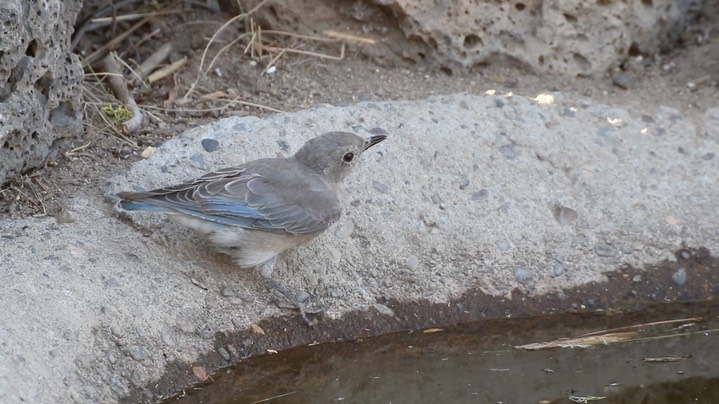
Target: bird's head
x,y
334,154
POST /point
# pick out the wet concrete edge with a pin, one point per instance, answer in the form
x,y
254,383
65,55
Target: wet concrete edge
x,y
627,289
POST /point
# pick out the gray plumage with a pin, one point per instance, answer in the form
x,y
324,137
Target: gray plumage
x,y
259,209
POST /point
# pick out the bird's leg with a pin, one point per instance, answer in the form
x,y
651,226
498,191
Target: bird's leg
x,y
266,274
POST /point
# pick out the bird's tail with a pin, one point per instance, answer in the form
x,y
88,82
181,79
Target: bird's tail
x,y
134,202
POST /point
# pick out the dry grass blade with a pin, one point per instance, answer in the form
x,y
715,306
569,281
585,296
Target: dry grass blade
x,y
212,40
612,335
167,70
666,359
100,53
643,325
580,342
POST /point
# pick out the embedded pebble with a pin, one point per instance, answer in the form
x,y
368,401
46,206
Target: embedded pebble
x,y
232,351
568,112
187,326
503,245
224,354
604,250
626,249
463,183
234,300
211,301
558,269
680,276
436,199
138,352
522,274
637,279
708,156
686,255
380,187
623,81
345,229
168,336
480,195
412,262
335,254
383,309
561,295
336,294
227,291
387,282
566,215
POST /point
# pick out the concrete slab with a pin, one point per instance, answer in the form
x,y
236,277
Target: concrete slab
x,y
493,192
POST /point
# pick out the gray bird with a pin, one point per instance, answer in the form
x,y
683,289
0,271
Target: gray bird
x,y
259,209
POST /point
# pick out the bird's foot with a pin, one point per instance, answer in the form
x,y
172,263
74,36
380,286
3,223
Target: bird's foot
x,y
298,301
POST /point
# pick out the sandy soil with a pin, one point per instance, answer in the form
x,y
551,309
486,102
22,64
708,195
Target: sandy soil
x,y
685,77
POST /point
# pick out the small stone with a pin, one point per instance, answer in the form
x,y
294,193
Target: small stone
x,y
463,183
623,81
569,112
200,373
436,199
637,278
148,152
187,326
561,295
227,291
211,301
378,131
234,300
231,349
708,156
382,309
604,250
680,276
686,255
626,249
387,282
224,354
380,187
336,294
564,215
138,352
345,230
412,262
210,145
503,245
522,274
168,336
335,254
480,195
499,103
558,269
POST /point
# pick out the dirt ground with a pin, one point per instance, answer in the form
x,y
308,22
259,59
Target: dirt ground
x,y
684,76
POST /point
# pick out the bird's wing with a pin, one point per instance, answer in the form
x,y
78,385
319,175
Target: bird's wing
x,y
264,195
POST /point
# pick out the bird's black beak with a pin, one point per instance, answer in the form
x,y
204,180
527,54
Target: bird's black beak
x,y
374,140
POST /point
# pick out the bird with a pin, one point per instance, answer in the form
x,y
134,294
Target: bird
x,y
257,210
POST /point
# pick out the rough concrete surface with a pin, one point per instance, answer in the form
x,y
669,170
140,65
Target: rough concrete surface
x,y
495,192
40,80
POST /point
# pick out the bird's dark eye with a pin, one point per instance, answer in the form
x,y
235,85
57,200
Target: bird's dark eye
x,y
348,157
